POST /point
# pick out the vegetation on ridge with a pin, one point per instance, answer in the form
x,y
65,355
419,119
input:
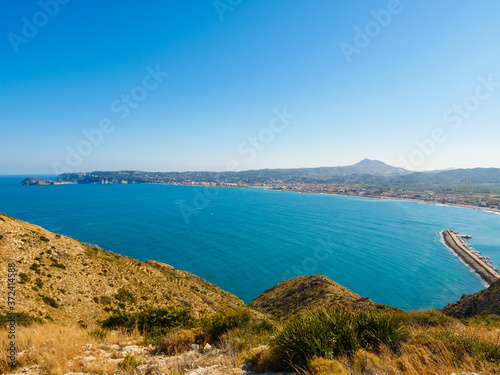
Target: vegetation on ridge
x,y
300,294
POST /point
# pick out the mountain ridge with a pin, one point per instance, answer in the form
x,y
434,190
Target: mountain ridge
x,y
366,171
300,294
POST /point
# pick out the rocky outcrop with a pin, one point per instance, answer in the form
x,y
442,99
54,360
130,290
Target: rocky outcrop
x,y
36,181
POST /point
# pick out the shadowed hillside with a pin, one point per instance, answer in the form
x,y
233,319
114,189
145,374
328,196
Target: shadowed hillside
x,y
484,302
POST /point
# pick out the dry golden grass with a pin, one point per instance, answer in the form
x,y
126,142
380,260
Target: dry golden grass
x,y
323,366
418,356
56,348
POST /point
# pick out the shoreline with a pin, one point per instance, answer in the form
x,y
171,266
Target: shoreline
x,y
470,257
486,209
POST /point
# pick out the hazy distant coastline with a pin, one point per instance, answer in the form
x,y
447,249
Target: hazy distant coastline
x,y
477,188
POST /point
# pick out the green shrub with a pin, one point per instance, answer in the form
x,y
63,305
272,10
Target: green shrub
x,y
50,301
224,321
24,278
429,318
44,239
124,295
265,359
129,363
55,263
244,336
105,300
377,330
335,332
486,320
39,283
22,319
35,267
98,334
58,265
149,320
320,333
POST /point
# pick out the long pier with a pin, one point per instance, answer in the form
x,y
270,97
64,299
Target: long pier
x,y
478,263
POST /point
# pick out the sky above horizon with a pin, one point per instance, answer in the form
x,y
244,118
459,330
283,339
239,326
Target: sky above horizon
x,y
247,84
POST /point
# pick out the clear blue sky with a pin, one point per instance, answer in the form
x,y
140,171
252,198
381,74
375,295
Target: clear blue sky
x,y
361,79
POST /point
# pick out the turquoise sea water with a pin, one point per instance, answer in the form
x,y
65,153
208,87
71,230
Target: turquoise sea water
x,y
247,240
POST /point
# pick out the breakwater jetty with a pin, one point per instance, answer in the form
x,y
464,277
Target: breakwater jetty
x,y
480,264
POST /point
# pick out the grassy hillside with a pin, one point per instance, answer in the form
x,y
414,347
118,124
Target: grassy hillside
x,y
62,279
300,294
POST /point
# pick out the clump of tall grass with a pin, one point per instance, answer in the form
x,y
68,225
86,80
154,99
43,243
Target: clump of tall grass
x,y
483,321
98,334
331,333
378,330
129,363
22,319
155,323
461,345
225,321
148,319
428,318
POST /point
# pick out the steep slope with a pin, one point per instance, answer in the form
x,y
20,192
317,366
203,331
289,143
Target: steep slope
x,y
295,296
62,279
484,302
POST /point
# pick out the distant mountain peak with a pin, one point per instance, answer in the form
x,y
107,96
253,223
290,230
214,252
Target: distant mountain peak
x,y
370,162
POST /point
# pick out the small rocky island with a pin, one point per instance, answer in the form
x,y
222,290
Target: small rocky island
x,y
37,181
